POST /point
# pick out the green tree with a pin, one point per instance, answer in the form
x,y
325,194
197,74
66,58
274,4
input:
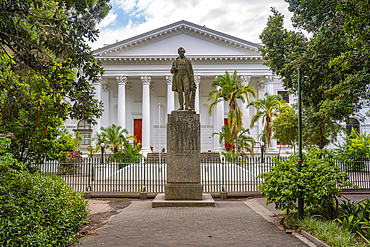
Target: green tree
x,y
267,108
314,131
317,131
47,71
332,90
228,89
319,182
285,128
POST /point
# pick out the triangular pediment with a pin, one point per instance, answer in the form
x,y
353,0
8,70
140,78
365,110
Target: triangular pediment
x,y
197,41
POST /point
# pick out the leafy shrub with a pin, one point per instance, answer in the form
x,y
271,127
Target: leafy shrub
x,y
36,210
328,231
355,217
352,151
318,181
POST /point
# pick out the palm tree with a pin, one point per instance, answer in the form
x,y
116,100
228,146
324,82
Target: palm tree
x,y
226,135
268,108
244,142
99,138
229,89
115,138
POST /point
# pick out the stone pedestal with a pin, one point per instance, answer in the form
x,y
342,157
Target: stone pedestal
x,y
183,156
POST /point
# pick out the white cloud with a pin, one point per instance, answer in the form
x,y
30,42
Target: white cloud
x,y
107,20
241,18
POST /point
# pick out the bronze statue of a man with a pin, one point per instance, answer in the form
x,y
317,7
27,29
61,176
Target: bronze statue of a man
x,y
183,81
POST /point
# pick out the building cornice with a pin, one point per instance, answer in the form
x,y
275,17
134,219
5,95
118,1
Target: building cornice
x,y
178,27
166,58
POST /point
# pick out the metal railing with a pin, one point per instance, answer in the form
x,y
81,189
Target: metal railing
x,y
150,175
358,170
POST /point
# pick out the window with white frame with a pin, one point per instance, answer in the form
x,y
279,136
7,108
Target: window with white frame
x,y
84,128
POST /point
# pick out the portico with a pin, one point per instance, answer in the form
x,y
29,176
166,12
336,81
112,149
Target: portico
x,y
136,88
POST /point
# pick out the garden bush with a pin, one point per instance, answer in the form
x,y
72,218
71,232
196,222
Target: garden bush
x,y
355,217
328,231
36,210
319,182
354,151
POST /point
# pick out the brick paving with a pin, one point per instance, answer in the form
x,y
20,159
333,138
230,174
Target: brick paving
x,y
230,223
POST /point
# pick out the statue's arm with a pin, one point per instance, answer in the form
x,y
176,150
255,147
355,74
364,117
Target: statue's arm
x,y
191,73
174,68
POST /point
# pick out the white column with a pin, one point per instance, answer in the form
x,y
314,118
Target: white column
x,y
197,82
269,84
170,95
97,85
105,98
121,112
218,122
266,85
269,80
145,148
245,80
261,89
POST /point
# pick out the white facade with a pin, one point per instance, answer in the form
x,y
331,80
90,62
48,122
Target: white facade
x,y
137,81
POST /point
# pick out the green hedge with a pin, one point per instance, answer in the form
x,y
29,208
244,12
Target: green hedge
x,y
36,210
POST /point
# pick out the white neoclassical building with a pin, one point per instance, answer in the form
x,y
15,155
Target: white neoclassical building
x,y
136,87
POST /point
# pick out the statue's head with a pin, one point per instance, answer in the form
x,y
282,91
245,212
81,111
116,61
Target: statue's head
x,y
181,49
181,52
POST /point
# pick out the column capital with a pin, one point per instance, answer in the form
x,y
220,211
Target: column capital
x,y
121,80
245,79
169,79
267,79
197,79
146,79
100,81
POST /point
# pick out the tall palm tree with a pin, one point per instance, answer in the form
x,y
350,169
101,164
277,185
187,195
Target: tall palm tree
x,y
267,108
227,88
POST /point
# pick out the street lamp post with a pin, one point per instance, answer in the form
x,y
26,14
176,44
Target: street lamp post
x,y
102,154
262,151
300,160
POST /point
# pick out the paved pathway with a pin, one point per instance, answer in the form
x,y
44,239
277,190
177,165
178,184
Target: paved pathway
x,y
231,223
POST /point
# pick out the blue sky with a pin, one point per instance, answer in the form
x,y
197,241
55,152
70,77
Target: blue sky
x,y
244,19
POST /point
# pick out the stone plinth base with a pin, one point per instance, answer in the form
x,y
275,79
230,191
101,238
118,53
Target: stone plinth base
x,y
183,191
160,201
183,156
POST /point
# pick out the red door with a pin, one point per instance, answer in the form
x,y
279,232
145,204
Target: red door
x,y
228,146
137,130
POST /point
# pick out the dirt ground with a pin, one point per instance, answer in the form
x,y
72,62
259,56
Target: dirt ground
x,y
98,219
